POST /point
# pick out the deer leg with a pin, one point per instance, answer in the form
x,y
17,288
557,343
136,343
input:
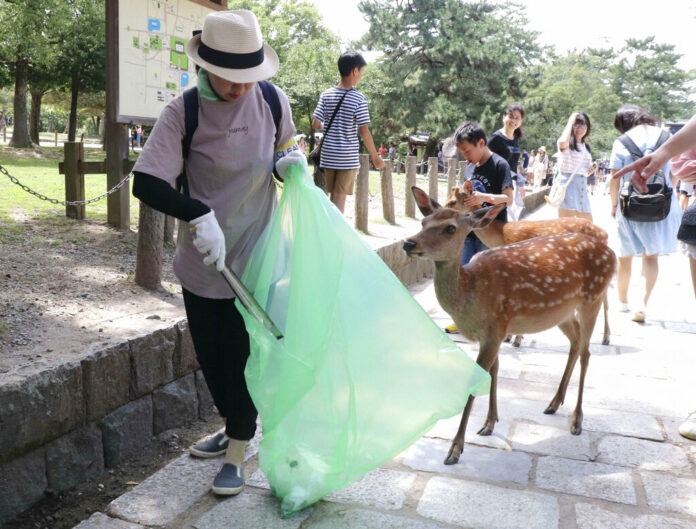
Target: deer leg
x,y
518,341
607,331
571,329
488,354
576,421
492,416
587,316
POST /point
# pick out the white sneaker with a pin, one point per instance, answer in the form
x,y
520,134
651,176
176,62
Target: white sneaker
x,y
624,308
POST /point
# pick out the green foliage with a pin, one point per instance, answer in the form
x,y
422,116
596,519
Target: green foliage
x,y
448,60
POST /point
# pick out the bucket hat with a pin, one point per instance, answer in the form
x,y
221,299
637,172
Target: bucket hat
x,y
231,46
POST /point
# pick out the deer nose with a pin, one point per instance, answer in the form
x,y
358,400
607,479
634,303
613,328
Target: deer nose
x,y
409,246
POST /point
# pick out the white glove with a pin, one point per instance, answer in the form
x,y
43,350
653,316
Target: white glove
x,y
292,158
209,239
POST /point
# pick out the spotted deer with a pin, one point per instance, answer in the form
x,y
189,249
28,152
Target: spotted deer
x,y
525,287
498,232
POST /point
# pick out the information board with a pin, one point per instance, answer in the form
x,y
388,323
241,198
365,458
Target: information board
x,y
153,65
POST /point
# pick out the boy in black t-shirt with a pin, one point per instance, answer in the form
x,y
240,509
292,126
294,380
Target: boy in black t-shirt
x,y
489,174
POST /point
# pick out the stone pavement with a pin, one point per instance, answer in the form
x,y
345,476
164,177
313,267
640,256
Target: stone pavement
x,y
628,469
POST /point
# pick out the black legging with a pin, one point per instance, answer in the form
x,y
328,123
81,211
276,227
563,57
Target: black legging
x,y
222,347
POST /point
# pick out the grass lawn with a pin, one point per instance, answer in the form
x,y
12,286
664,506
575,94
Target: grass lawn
x,y
41,175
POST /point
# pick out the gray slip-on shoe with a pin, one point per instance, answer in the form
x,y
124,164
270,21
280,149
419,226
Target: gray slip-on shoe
x,y
229,481
212,447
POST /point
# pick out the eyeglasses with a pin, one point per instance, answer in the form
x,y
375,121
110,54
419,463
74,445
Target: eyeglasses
x,y
580,126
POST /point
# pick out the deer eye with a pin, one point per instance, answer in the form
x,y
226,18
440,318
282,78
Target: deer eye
x,y
451,203
450,229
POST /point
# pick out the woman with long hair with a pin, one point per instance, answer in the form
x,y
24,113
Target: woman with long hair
x,y
646,239
505,142
576,160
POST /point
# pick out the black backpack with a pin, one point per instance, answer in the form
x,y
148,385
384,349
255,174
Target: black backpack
x,y
653,205
191,124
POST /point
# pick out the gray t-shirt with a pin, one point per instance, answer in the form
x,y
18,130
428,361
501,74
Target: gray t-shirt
x,y
229,169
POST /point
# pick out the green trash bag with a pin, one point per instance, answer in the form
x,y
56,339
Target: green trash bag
x,y
362,371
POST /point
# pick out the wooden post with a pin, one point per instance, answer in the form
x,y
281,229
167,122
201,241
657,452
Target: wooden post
x,y
56,139
432,177
462,170
116,134
451,173
362,198
410,182
387,193
148,263
74,152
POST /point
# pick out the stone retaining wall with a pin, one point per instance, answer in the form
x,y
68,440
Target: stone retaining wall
x,y
66,424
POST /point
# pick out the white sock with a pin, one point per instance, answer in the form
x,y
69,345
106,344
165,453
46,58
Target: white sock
x,y
235,452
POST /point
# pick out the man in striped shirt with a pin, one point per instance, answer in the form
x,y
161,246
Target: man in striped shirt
x,y
340,146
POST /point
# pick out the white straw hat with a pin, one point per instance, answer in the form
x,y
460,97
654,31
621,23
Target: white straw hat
x,y
231,47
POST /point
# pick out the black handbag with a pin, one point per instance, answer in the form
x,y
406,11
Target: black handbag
x,y
653,205
687,228
315,155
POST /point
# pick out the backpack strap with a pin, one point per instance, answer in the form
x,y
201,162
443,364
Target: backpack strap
x,y
633,148
270,95
190,126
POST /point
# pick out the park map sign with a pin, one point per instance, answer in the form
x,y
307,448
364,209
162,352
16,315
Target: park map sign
x,y
153,65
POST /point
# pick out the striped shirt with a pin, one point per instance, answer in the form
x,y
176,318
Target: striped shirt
x,y
577,162
340,147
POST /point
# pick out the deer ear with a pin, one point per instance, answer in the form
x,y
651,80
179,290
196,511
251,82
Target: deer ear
x,y
468,187
484,216
425,204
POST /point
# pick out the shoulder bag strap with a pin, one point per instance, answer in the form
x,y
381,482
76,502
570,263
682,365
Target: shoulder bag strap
x,y
333,116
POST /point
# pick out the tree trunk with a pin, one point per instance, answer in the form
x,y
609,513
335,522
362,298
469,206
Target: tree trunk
x,y
148,262
169,224
35,115
20,134
74,90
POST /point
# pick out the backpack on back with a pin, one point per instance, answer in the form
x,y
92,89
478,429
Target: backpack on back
x,y
653,205
191,124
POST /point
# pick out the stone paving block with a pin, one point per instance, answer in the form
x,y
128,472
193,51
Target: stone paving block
x,y
594,517
167,494
380,488
250,509
22,483
74,458
39,408
175,404
206,407
532,411
126,430
334,516
102,521
447,429
480,506
668,493
645,455
151,359
184,358
106,375
594,480
550,441
622,423
481,463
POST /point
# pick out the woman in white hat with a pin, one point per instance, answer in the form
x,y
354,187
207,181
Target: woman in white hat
x,y
231,196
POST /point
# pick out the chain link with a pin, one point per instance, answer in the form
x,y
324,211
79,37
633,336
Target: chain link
x,y
63,202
